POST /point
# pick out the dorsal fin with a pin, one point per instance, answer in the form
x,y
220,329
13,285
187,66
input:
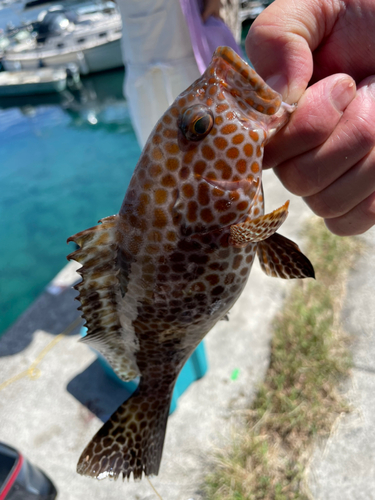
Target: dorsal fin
x,y
100,294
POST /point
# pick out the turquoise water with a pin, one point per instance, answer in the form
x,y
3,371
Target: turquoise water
x,y
64,165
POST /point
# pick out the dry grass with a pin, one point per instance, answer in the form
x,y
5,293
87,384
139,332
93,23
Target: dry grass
x,y
299,399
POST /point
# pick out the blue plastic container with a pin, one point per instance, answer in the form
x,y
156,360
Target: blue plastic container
x,y
194,369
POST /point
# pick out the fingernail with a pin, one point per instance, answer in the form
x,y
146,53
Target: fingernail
x,y
343,93
279,83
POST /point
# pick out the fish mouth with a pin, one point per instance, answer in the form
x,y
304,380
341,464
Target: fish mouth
x,y
254,92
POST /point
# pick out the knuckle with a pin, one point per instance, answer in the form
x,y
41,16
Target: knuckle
x,y
364,133
323,206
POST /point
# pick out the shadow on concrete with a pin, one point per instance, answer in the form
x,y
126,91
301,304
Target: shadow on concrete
x,y
100,393
51,313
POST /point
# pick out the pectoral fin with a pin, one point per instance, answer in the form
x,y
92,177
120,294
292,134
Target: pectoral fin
x,y
259,229
280,257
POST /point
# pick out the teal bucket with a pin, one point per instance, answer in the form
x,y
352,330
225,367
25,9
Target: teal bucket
x,y
194,369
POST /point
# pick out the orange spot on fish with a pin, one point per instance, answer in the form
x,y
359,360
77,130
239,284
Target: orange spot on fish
x,y
199,167
188,156
172,164
157,154
248,150
160,219
241,166
255,167
188,190
174,112
220,142
229,128
154,170
254,135
168,181
160,196
232,153
227,218
170,133
172,148
157,139
192,211
207,215
220,108
238,138
208,153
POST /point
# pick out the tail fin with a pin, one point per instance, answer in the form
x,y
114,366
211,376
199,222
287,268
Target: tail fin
x,y
131,441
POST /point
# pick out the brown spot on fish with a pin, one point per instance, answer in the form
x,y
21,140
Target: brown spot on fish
x,y
172,164
199,167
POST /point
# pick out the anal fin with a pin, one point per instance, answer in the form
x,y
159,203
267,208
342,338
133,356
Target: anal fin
x,y
259,229
281,257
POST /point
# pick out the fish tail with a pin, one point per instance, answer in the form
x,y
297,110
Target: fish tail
x,y
131,441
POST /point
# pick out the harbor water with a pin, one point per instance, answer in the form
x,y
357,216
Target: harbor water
x,y
66,161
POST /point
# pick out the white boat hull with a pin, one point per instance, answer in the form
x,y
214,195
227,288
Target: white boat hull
x,y
89,60
41,81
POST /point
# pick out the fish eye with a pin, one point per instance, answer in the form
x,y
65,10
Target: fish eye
x,y
196,122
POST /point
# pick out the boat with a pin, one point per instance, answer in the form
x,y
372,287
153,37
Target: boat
x,y
89,37
28,82
250,9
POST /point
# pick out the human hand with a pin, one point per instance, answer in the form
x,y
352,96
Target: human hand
x,y
211,8
326,153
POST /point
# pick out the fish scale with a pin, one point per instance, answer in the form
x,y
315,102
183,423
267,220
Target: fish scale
x,y
158,276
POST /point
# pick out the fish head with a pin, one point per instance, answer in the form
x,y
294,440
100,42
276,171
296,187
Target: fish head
x,y
203,159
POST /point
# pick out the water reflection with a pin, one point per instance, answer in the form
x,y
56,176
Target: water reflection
x,y
97,102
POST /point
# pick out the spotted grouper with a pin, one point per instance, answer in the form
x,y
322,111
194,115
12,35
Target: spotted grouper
x,y
159,275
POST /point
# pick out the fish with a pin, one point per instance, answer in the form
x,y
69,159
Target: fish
x,y
157,276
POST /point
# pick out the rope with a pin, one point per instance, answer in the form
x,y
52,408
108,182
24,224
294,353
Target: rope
x,y
153,487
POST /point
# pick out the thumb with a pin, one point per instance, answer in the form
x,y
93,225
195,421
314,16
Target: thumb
x,y
280,44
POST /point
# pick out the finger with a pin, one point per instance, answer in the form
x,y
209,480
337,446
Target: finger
x,y
281,41
347,191
319,111
357,221
352,139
